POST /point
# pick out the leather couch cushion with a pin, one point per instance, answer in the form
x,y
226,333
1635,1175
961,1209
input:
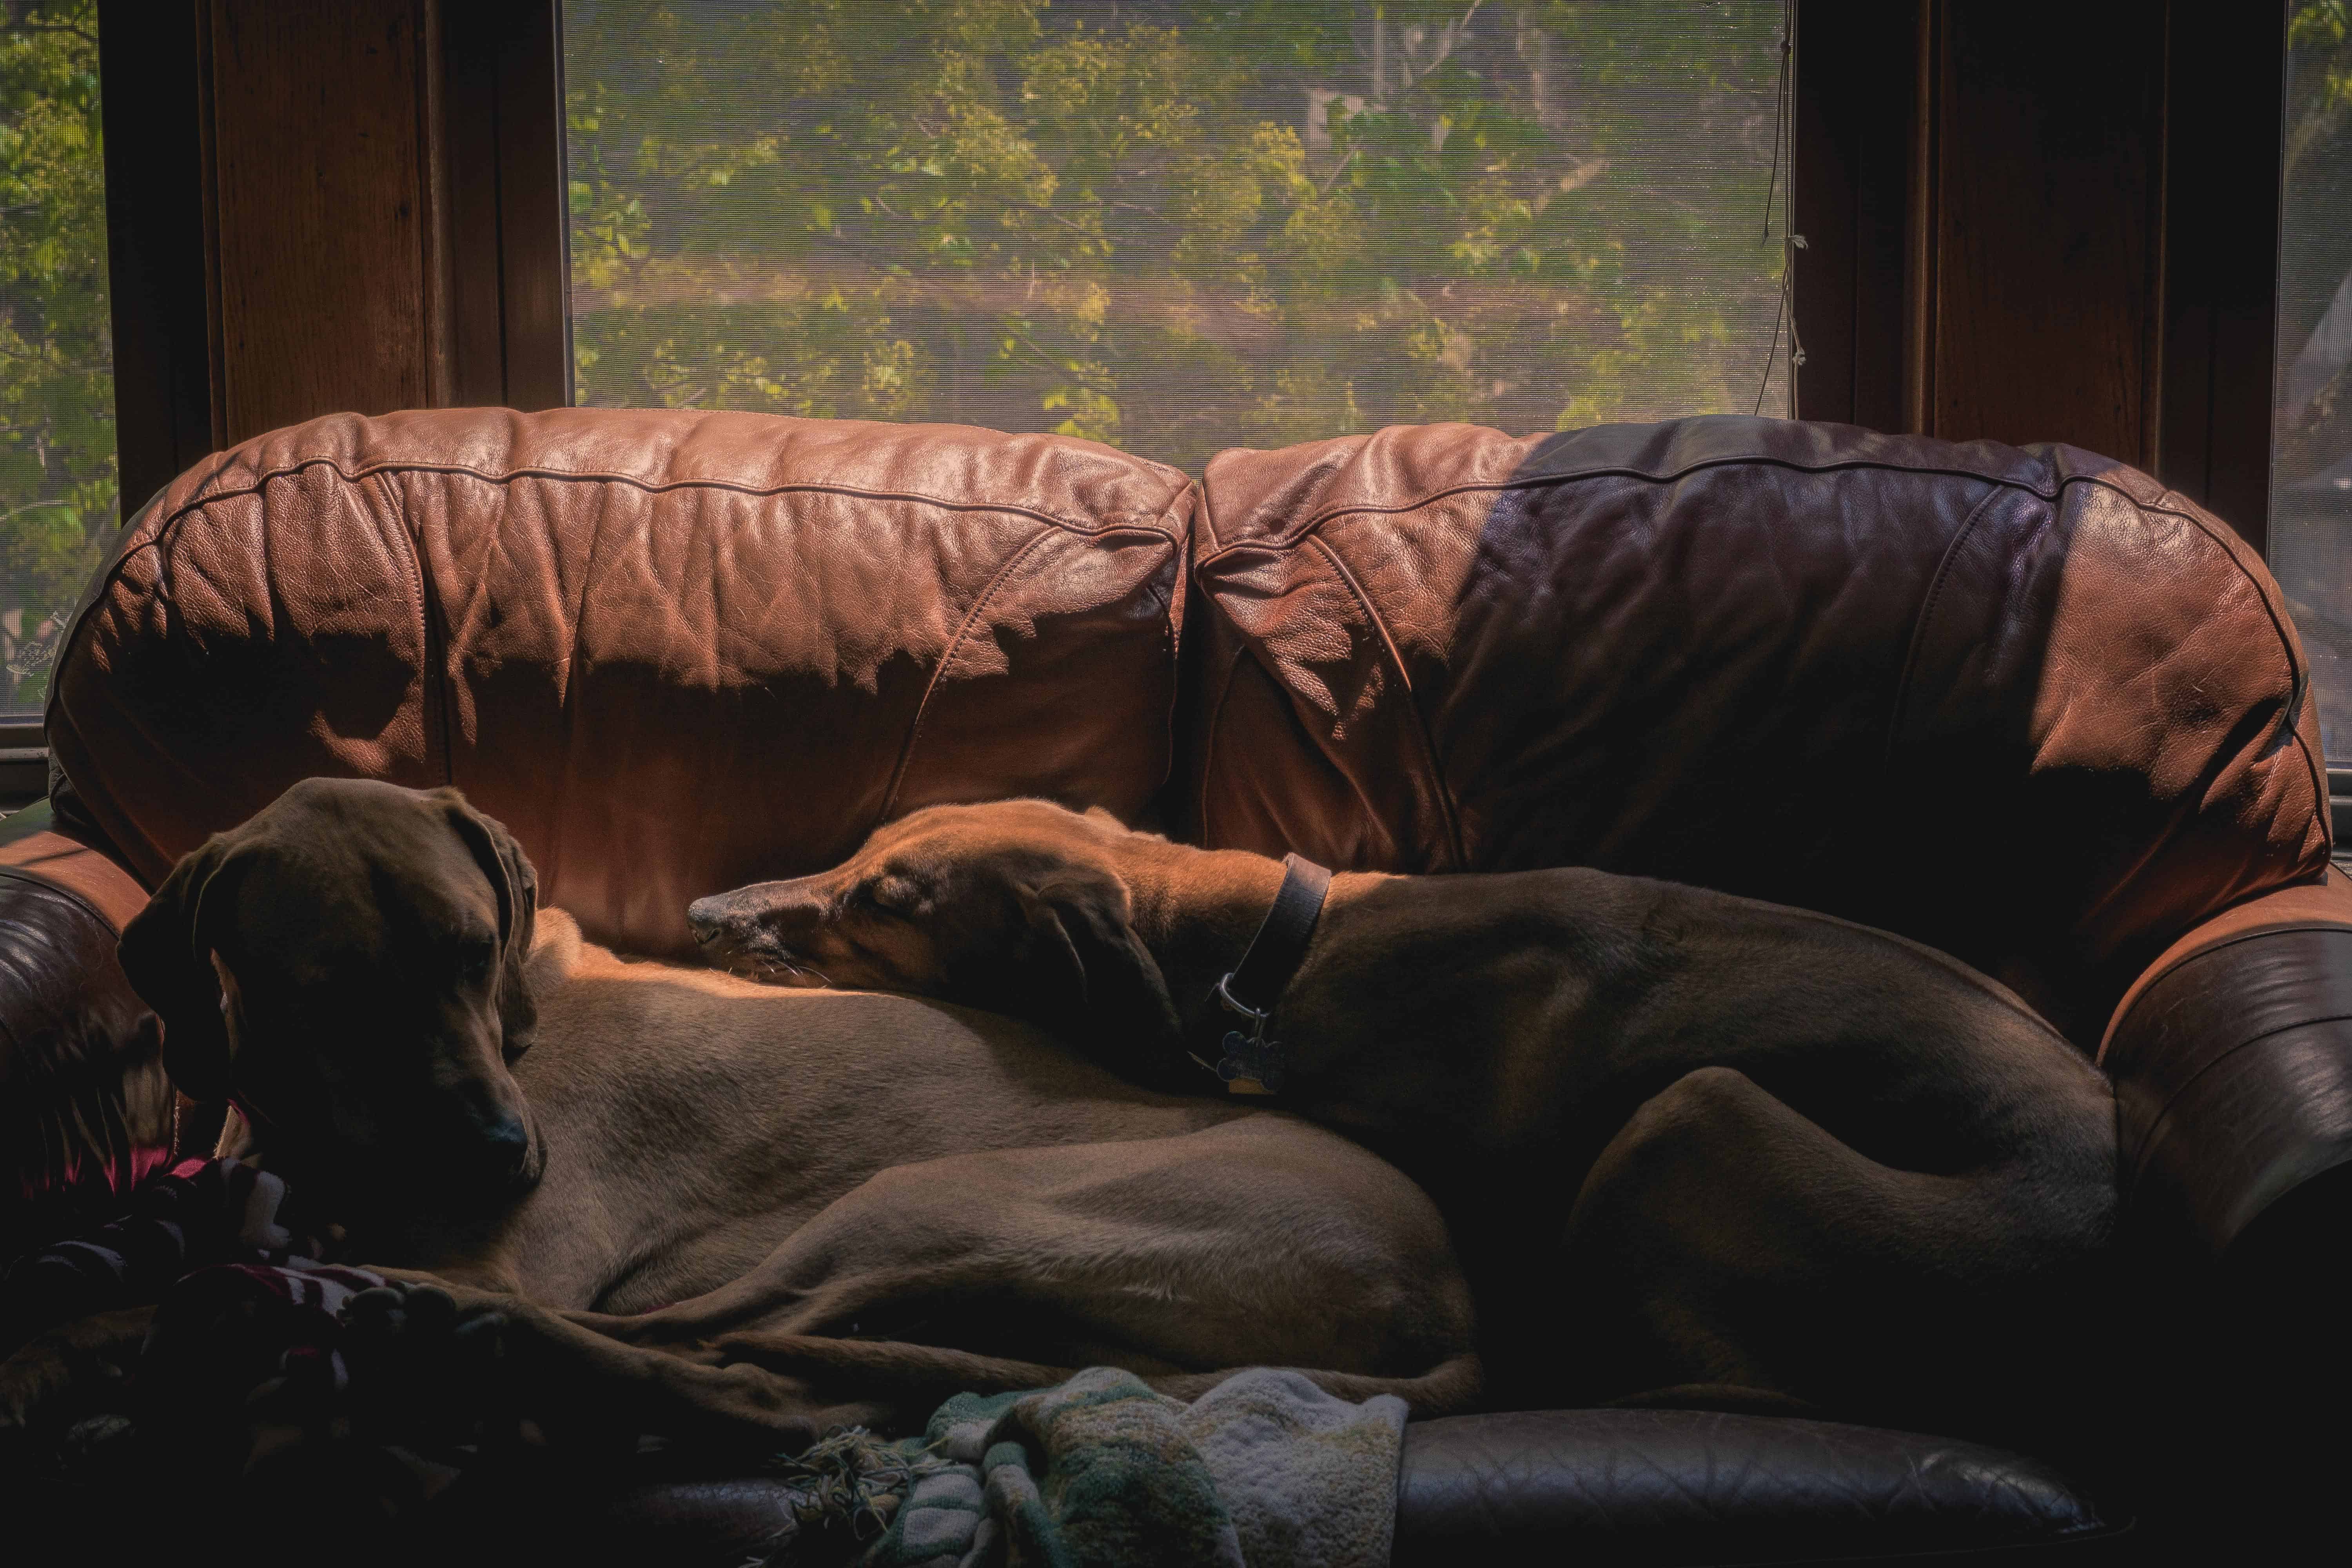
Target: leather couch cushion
x,y
1696,1486
673,652
2025,705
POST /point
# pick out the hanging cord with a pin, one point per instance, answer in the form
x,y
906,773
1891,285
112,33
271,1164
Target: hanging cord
x,y
1783,141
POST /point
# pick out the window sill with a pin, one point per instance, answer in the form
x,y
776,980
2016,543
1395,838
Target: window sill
x,y
24,771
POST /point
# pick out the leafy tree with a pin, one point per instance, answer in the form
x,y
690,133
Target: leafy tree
x,y
1176,224
58,484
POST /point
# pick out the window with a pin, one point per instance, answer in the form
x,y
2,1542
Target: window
x,y
57,489
2311,428
1179,226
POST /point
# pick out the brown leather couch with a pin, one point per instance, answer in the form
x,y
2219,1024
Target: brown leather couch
x,y
2025,705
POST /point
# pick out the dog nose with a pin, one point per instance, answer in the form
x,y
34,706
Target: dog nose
x,y
704,915
501,1147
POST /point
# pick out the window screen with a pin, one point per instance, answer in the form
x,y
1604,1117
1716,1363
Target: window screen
x,y
1179,226
2311,427
57,355
2311,474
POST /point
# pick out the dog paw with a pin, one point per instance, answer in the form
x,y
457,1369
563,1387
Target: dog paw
x,y
427,1363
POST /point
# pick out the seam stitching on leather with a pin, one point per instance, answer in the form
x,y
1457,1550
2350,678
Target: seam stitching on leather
x,y
2298,676
2322,813
1419,722
2147,1149
1170,639
1919,628
564,712
431,684
1208,523
939,672
1209,738
1171,615
1280,541
2284,928
34,879
364,470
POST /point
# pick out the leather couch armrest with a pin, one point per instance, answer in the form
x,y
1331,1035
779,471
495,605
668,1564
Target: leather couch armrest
x,y
1710,1487
85,1110
2231,1058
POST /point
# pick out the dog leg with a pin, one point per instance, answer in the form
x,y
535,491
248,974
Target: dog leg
x,y
1724,1239
1258,1241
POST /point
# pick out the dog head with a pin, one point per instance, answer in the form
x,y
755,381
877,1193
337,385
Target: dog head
x,y
347,968
1016,906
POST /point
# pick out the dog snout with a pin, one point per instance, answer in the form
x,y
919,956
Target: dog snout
x,y
498,1153
507,1144
487,1144
768,913
707,917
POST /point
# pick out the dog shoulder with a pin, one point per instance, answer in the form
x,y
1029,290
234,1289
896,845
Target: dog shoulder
x,y
558,951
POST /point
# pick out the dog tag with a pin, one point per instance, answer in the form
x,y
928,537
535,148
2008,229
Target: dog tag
x,y
1246,1069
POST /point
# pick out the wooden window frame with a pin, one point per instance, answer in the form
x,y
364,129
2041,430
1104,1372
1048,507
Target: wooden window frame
x,y
1885,92
490,320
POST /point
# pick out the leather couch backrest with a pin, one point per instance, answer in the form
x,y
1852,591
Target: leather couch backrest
x,y
673,652
2025,705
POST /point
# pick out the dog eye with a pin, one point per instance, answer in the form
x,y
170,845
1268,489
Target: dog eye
x,y
888,895
474,958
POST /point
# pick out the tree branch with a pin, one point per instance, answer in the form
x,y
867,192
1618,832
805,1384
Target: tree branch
x,y
87,38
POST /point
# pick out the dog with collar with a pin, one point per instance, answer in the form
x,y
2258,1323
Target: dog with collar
x,y
1682,1138
711,1209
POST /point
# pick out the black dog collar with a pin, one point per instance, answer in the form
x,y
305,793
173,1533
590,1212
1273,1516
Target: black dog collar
x,y
1252,1064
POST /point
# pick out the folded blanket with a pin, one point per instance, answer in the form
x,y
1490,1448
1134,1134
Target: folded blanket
x,y
1264,1470
290,1368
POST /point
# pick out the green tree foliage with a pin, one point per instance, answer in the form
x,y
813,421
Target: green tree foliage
x,y
58,485
1174,226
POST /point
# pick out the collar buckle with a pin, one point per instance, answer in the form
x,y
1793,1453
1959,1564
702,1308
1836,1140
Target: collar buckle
x,y
1251,1063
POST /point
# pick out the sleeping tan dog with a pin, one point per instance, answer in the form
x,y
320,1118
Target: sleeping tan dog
x,y
1680,1137
630,1159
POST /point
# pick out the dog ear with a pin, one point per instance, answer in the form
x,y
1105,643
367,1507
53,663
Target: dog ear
x,y
516,887
1120,1002
167,956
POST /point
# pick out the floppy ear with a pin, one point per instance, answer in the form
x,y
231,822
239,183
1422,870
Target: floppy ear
x,y
1082,925
167,957
516,887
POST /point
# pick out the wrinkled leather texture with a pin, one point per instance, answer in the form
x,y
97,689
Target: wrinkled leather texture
x,y
673,652
85,1110
1757,654
2232,1067
1695,1486
2322,904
